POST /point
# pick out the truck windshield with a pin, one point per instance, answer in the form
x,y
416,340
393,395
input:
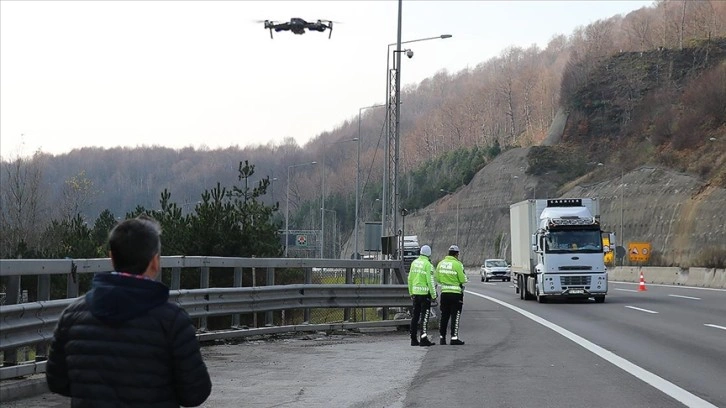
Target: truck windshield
x,y
574,241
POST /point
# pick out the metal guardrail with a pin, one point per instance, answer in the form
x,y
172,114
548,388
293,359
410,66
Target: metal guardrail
x,y
31,324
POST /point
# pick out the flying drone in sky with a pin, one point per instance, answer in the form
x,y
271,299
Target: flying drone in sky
x,y
298,26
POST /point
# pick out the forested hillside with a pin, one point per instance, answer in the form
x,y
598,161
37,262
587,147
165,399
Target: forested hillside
x,y
649,87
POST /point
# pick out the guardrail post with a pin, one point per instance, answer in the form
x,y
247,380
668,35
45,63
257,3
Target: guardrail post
x,y
270,282
12,297
348,281
41,349
308,280
176,278
254,284
237,283
72,288
386,281
204,284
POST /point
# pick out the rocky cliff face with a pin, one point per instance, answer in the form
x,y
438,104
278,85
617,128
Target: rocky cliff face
x,y
682,217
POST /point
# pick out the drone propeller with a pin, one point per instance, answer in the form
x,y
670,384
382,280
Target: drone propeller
x,y
269,24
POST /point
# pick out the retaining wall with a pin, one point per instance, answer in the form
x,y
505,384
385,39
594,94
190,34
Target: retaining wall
x,y
701,277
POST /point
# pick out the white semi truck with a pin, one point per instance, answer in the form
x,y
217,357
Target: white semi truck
x,y
557,249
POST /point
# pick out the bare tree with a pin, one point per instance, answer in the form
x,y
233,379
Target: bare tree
x,y
78,192
21,206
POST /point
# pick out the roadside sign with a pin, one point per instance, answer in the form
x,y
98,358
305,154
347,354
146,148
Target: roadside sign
x,y
639,251
301,240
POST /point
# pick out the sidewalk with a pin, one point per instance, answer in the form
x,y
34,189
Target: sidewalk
x,y
372,369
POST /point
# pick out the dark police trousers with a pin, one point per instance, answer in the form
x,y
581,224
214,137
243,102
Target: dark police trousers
x,y
451,304
421,311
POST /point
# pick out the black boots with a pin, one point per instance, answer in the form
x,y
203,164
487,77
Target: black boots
x,y
414,342
442,341
425,342
456,342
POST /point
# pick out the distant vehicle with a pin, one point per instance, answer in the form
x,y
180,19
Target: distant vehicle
x,y
495,269
411,250
298,26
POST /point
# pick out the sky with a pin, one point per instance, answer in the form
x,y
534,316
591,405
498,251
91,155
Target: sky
x,y
206,74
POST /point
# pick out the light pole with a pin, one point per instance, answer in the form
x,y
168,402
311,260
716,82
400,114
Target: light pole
x,y
287,202
457,214
272,188
386,197
322,193
335,226
622,211
357,181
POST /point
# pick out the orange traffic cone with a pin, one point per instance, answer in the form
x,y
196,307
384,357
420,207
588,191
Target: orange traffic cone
x,y
641,287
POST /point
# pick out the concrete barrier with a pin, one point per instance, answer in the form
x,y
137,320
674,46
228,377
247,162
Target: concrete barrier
x,y
700,277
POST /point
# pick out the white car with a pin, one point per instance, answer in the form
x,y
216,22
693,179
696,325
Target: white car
x,y
496,269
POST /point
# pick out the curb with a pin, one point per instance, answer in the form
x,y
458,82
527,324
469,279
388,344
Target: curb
x,y
24,388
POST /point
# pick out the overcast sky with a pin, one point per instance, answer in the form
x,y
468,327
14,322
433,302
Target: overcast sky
x,y
193,73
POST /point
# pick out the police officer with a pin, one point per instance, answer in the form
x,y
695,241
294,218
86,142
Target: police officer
x,y
450,275
422,289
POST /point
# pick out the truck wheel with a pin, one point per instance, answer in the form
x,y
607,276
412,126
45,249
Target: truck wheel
x,y
527,294
520,286
600,299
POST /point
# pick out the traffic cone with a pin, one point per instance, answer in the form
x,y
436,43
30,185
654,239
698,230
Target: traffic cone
x,y
641,287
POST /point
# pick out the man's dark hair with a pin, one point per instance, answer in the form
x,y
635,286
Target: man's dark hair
x,y
133,244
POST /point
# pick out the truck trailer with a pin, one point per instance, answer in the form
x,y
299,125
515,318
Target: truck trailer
x,y
557,249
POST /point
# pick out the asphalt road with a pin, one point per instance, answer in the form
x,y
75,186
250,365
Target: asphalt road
x,y
665,347
676,333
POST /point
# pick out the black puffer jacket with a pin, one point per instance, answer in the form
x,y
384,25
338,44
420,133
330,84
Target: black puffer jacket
x,y
124,345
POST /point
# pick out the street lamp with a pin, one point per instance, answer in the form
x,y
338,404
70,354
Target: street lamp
x,y
287,202
322,193
357,181
457,214
386,146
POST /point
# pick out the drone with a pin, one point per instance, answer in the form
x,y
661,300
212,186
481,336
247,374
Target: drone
x,y
298,26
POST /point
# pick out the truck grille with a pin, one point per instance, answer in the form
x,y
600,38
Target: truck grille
x,y
575,268
574,281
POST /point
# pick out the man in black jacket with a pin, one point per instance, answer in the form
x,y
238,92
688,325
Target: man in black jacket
x,y
123,344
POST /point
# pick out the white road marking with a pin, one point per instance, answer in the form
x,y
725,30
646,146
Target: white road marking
x,y
667,387
685,297
642,310
626,290
488,283
716,326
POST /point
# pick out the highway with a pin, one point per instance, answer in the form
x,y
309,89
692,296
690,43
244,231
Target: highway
x,y
672,337
665,347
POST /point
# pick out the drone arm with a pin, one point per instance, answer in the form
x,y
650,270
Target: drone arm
x,y
271,32
330,34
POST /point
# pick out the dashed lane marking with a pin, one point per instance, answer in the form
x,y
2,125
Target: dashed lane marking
x,y
685,297
715,326
642,310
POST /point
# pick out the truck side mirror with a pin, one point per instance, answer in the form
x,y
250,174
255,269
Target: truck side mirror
x,y
533,242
